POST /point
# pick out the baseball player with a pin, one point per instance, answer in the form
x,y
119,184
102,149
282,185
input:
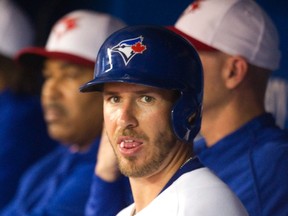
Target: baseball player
x,y
60,183
238,46
151,79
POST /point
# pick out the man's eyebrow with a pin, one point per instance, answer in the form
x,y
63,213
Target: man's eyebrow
x,y
110,93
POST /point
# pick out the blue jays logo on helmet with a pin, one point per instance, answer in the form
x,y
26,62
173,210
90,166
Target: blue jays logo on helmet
x,y
129,48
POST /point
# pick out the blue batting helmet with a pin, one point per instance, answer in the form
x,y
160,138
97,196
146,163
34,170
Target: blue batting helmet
x,y
157,57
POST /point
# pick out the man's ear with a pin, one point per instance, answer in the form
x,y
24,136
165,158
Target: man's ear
x,y
235,71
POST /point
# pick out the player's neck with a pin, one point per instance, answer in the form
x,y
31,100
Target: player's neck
x,y
146,189
217,125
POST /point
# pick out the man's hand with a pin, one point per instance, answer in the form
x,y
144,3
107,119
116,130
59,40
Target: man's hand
x,y
106,167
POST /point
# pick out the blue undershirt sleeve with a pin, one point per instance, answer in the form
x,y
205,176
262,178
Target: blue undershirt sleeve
x,y
108,198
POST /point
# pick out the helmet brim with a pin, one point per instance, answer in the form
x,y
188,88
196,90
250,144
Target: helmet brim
x,y
129,77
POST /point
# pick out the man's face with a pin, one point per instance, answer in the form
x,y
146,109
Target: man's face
x,y
138,124
72,117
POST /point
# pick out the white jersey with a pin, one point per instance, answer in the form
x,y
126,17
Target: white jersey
x,y
198,193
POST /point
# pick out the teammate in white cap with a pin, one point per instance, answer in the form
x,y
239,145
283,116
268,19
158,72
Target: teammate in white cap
x,y
60,183
238,46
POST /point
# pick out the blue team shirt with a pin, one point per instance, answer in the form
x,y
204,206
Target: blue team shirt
x,y
23,139
253,161
58,185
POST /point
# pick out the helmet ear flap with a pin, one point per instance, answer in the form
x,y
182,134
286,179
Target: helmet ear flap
x,y
186,117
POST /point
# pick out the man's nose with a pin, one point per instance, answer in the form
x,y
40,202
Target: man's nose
x,y
50,89
128,116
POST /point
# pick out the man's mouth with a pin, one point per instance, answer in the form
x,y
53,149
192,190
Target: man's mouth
x,y
129,145
53,114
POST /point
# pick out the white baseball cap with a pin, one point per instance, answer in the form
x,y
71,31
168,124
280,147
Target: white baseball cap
x,y
235,27
16,31
76,37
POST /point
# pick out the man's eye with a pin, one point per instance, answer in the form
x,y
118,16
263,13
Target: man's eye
x,y
147,99
114,99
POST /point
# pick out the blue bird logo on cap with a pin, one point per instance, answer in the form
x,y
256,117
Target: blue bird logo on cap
x,y
129,48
